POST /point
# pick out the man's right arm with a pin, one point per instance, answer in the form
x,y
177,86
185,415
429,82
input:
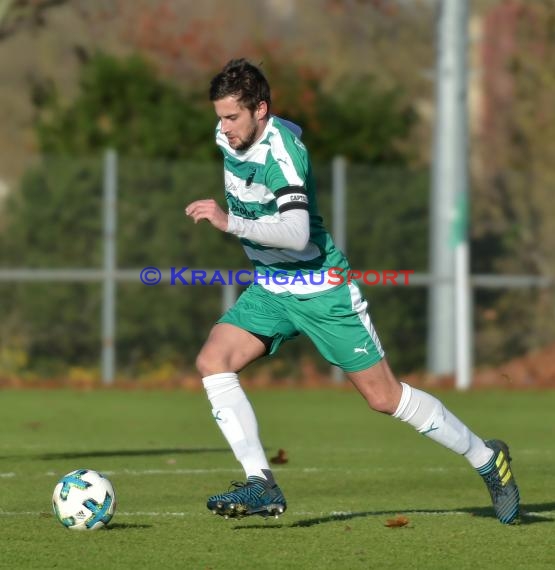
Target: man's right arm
x,y
291,231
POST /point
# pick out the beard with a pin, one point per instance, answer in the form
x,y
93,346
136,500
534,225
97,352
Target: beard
x,y
247,142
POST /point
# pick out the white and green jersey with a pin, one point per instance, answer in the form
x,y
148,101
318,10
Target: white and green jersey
x,y
271,177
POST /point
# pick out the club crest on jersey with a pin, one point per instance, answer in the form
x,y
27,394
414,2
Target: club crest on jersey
x,y
250,178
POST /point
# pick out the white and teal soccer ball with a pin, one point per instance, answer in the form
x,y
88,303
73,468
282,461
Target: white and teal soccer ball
x,y
84,500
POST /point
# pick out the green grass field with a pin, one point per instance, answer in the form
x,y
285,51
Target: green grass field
x,y
349,471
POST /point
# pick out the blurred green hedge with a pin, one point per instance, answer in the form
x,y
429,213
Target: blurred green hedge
x,y
167,158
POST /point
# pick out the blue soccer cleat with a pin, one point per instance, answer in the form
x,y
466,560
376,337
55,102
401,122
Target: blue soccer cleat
x,y
501,484
255,497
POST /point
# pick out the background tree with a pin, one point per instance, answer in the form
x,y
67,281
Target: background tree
x,y
164,135
123,105
514,180
18,14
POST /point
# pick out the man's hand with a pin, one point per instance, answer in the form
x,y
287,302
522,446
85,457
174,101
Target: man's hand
x,y
208,210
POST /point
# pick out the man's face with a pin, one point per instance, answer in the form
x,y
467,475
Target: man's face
x,y
241,126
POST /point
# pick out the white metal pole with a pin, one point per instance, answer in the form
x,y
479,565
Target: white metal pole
x,y
339,220
463,298
109,281
449,179
339,187
464,325
229,296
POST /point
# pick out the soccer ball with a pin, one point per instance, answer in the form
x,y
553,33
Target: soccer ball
x,y
84,500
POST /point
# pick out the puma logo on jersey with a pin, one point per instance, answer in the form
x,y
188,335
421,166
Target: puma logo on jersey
x,y
363,349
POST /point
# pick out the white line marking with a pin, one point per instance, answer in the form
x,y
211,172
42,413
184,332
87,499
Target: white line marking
x,y
171,471
201,471
338,514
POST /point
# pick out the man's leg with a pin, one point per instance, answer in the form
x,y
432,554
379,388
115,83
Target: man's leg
x,y
421,410
228,350
429,417
339,324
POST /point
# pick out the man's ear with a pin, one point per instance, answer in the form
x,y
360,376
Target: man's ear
x,y
262,110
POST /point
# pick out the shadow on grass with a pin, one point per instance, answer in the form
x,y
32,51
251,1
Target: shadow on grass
x,y
128,453
125,526
530,514
265,526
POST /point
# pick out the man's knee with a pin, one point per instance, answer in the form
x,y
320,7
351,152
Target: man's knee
x,y
202,363
381,401
379,387
228,349
210,362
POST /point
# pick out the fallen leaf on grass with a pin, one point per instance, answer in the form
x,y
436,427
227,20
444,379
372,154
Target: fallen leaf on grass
x,y
397,522
280,458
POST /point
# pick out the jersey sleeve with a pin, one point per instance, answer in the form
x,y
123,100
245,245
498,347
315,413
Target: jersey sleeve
x,y
292,231
286,173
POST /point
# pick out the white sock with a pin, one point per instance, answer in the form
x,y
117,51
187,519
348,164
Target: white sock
x,y
430,417
235,417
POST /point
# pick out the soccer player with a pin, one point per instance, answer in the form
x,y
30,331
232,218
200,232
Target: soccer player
x,y
271,198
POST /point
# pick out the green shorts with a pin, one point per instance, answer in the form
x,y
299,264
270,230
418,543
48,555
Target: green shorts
x,y
337,322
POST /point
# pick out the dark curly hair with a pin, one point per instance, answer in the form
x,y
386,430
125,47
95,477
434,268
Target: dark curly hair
x,y
243,80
